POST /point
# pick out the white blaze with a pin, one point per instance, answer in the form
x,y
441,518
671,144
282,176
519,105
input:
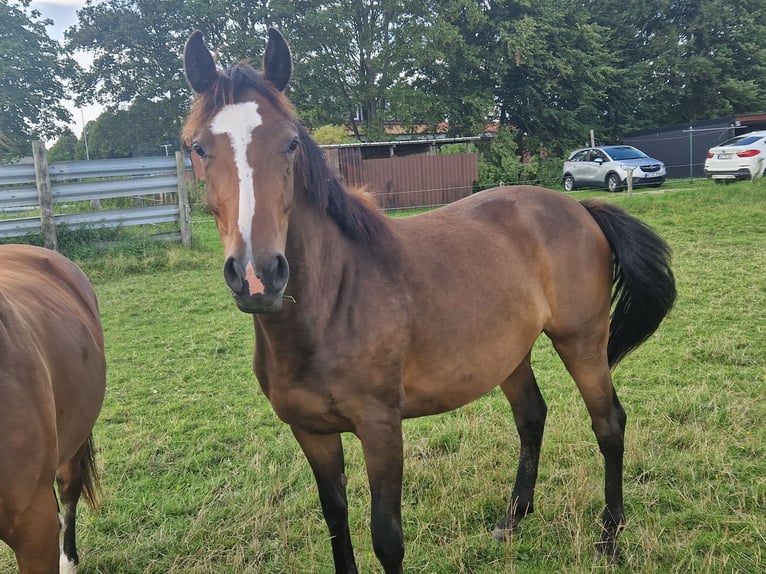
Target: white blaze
x,y
238,122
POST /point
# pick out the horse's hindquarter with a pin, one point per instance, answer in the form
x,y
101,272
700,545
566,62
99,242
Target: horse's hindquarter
x,y
486,276
56,334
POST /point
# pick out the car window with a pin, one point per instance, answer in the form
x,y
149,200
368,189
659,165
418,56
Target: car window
x,y
597,154
580,155
743,140
625,152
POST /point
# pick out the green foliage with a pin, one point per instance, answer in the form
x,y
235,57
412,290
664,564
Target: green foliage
x,y
66,147
499,161
33,75
136,73
456,148
552,64
681,61
331,134
141,130
552,69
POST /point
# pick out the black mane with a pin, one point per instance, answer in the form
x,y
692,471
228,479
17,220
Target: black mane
x,y
321,184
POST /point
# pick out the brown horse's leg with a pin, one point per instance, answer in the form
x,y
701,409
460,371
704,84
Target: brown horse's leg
x,y
383,455
69,480
529,413
325,455
590,370
34,538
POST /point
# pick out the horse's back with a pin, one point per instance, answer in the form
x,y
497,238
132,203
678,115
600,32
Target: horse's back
x,y
520,243
52,366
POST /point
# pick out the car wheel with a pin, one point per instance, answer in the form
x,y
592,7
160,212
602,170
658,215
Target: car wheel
x,y
613,182
569,183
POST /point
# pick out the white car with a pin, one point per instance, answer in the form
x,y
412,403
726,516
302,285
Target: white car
x,y
741,157
607,167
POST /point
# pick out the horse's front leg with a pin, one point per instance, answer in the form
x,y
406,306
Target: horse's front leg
x,y
325,455
383,455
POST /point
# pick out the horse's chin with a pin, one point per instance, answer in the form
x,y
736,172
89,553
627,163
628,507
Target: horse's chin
x,y
260,303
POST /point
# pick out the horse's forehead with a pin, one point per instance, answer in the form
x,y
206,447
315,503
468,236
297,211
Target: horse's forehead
x,y
237,121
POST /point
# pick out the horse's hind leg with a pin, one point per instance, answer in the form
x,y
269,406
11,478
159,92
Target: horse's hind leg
x,y
529,413
587,363
35,534
69,481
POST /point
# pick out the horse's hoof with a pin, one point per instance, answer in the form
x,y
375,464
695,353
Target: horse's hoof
x,y
506,528
608,549
502,534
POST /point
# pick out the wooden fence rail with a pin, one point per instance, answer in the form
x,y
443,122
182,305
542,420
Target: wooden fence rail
x,y
41,187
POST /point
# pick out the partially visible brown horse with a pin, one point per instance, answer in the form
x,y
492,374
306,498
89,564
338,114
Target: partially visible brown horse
x,y
52,382
384,319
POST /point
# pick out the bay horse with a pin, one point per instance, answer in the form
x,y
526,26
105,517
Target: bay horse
x,y
52,384
362,320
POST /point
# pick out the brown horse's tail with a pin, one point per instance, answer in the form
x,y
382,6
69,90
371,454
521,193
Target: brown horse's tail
x,y
90,475
644,286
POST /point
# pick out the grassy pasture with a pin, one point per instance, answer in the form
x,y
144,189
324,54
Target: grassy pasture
x,y
201,477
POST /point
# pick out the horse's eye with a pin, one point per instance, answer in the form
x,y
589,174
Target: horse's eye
x,y
198,149
293,145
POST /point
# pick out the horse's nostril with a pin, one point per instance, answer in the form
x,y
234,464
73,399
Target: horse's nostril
x,y
281,271
231,276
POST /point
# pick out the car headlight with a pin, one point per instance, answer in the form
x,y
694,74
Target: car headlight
x,y
627,167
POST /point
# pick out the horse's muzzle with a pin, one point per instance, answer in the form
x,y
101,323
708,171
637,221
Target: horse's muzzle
x,y
259,287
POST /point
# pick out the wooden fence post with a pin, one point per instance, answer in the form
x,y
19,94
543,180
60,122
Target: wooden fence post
x,y
184,210
43,178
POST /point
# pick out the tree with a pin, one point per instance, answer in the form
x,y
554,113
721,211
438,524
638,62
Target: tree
x,y
33,76
137,66
499,159
352,56
551,67
65,148
686,60
452,67
141,130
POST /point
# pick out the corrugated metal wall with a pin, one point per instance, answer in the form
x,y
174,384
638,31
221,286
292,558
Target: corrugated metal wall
x,y
411,181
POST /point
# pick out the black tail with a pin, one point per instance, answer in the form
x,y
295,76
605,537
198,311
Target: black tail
x,y
91,479
644,286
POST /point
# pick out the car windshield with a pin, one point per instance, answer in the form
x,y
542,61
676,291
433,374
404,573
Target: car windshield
x,y
625,152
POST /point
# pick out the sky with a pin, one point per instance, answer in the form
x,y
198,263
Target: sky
x,y
64,15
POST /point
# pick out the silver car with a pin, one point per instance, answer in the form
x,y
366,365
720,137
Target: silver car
x,y
607,167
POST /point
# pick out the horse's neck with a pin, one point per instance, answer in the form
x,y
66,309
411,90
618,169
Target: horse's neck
x,y
319,257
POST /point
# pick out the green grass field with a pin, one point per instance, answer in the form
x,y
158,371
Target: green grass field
x,y
201,477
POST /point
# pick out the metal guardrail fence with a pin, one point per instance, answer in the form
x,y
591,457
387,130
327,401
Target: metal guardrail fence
x,y
40,186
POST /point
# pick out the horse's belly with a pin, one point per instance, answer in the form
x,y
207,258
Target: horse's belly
x,y
437,382
440,398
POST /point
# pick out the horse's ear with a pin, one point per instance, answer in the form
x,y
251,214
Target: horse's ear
x,y
199,65
277,61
